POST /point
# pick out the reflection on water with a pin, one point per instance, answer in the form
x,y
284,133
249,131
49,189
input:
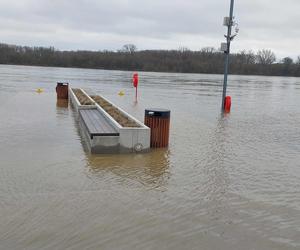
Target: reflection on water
x,y
150,169
217,185
62,103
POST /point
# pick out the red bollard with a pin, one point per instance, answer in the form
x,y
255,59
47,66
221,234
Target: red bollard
x,y
227,104
135,80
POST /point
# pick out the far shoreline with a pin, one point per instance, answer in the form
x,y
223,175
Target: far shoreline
x,y
126,70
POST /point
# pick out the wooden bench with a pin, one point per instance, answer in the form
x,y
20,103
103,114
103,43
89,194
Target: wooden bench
x,y
96,123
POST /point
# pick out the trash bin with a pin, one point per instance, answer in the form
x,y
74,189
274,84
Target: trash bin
x,y
62,90
158,120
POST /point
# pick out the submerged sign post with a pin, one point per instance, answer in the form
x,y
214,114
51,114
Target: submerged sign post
x,y
225,47
135,82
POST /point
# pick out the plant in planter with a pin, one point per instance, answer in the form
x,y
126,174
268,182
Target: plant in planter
x,y
82,98
114,112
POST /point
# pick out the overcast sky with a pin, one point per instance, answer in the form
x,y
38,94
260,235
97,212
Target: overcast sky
x,y
150,24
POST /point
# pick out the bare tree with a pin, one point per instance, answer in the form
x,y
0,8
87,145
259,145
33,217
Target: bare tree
x,y
287,61
129,48
208,50
183,49
250,57
265,57
245,57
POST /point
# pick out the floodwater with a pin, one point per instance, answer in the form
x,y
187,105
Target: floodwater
x,y
229,182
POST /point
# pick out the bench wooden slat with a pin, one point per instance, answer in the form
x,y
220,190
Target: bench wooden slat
x,y
92,123
96,123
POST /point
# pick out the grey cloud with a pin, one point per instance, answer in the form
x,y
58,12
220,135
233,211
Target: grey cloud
x,y
149,24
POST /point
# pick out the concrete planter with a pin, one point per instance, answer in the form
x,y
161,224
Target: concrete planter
x,y
130,139
76,103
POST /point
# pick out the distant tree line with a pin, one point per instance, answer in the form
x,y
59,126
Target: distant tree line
x,y
206,60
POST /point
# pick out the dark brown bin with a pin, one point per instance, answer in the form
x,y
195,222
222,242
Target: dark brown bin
x,y
158,120
62,90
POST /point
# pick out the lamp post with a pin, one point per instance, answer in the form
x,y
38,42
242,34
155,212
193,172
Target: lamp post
x,y
225,47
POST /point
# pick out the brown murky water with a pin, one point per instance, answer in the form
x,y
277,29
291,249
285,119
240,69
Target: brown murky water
x,y
224,183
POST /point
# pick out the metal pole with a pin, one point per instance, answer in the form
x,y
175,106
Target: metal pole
x,y
136,93
227,53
